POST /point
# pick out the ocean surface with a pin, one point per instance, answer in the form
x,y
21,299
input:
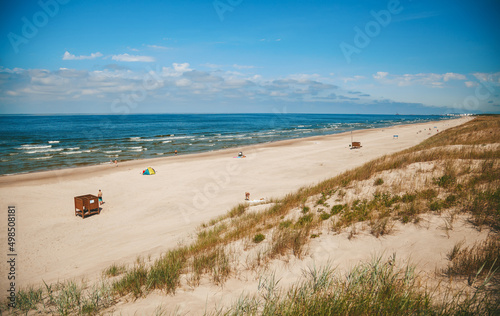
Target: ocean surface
x,y
35,143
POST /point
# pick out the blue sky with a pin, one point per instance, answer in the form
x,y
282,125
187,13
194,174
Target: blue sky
x,y
213,56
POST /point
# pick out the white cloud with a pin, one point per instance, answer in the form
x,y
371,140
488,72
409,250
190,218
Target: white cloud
x,y
425,79
242,66
487,77
453,76
238,82
133,58
380,75
183,82
159,47
181,67
68,56
180,82
176,70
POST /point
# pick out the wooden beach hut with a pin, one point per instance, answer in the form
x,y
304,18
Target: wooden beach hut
x,y
86,205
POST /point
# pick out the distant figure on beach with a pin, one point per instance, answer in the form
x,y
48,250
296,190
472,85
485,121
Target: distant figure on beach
x,y
116,163
99,195
240,154
247,196
175,152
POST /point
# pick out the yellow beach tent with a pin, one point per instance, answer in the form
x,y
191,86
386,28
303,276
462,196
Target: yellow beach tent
x,y
149,171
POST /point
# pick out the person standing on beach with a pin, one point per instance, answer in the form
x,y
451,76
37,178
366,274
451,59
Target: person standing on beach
x,y
116,163
175,152
99,195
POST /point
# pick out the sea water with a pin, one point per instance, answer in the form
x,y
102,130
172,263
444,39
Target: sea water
x,y
35,143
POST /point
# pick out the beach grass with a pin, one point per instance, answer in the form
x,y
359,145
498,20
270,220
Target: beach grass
x,y
376,287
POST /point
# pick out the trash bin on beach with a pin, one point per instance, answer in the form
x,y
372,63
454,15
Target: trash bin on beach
x,y
86,205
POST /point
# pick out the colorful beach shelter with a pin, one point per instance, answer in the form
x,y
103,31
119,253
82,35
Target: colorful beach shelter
x,y
148,171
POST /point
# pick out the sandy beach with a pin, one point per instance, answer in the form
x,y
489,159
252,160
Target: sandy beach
x,y
147,215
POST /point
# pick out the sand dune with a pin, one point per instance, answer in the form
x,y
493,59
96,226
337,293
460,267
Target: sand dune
x,y
146,215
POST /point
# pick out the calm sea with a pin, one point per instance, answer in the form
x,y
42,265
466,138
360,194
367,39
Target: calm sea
x,y
35,143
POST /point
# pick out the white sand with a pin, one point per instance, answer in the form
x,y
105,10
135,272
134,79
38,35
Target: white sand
x,y
147,215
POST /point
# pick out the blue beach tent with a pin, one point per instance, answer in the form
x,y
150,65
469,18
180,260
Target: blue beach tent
x,y
149,171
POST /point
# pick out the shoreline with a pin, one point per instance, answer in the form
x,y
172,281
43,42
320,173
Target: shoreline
x,y
47,174
147,215
57,161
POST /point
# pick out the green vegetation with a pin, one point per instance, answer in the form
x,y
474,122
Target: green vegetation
x,y
258,238
68,298
373,288
115,270
379,181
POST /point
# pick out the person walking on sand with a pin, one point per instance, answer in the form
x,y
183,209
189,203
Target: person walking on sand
x,y
175,152
99,195
247,196
116,163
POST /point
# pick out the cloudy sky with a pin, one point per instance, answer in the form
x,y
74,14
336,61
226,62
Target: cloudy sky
x,y
234,56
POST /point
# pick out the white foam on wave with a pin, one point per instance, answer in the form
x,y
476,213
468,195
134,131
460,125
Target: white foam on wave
x,y
72,152
43,150
179,137
112,151
157,139
37,158
53,142
73,148
154,139
166,141
137,147
29,147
